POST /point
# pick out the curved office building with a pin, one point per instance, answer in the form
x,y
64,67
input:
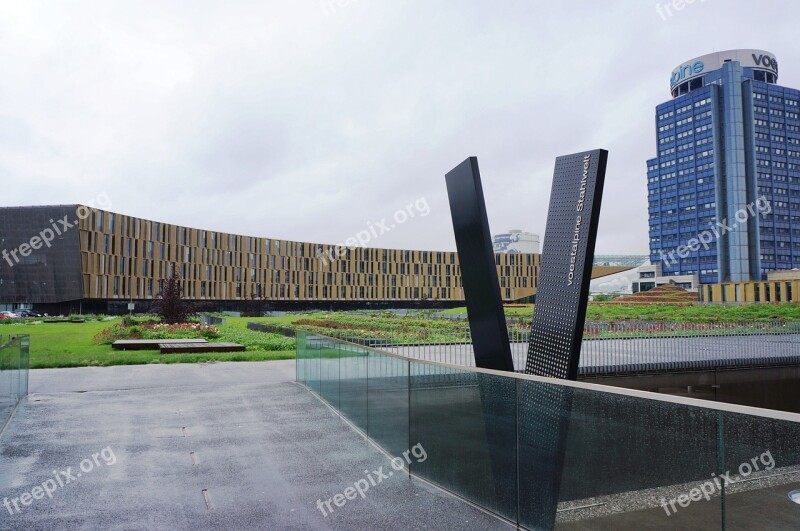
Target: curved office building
x,y
68,258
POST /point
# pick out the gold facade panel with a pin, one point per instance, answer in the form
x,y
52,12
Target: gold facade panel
x,y
124,257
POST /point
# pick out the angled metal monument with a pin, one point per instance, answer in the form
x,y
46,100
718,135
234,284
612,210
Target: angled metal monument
x,y
557,328
554,348
565,271
487,321
566,265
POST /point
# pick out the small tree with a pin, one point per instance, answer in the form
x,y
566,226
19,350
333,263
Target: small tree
x,y
169,305
254,307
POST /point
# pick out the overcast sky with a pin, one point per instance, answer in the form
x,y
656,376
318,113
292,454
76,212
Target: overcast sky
x,y
310,120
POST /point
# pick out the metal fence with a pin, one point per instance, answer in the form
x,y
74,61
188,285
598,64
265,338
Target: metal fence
x,y
270,328
630,346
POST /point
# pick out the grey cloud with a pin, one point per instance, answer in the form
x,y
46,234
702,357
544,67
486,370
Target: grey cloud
x,y
274,119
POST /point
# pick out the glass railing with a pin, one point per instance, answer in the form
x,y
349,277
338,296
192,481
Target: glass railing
x,y
13,374
543,453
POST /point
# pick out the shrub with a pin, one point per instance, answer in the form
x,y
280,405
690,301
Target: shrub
x,y
115,332
169,305
257,340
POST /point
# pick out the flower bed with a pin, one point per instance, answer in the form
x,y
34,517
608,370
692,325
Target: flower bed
x,y
254,341
156,331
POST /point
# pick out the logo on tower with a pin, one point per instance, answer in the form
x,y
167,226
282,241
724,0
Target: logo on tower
x,y
766,61
686,71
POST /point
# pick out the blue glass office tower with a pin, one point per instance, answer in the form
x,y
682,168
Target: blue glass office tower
x,y
724,191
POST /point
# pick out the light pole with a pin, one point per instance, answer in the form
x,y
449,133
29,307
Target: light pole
x,y
130,289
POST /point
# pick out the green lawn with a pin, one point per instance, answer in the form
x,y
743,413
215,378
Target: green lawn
x,y
71,345
420,326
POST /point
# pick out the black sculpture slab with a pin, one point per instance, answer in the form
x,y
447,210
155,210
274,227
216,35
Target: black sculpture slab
x,y
487,321
557,331
544,409
566,265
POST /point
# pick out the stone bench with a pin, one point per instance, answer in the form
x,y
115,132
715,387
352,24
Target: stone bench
x,y
192,348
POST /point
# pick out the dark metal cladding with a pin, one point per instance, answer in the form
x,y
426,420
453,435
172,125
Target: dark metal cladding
x,y
51,273
557,330
487,321
544,411
565,272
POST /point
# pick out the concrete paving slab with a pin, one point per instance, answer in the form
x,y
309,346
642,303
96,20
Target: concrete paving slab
x,y
156,375
209,446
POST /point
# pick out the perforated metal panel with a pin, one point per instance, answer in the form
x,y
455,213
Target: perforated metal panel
x,y
565,272
544,412
557,330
